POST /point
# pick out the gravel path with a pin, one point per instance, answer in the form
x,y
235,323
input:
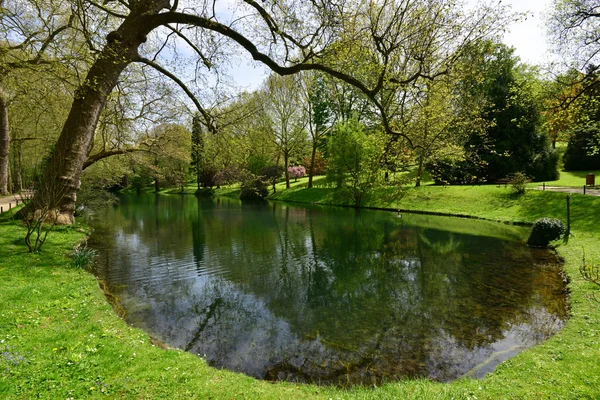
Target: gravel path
x,y
595,191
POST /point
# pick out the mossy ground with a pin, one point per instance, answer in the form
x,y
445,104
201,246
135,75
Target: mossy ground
x,y
59,337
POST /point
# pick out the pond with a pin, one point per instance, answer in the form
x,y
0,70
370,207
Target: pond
x,y
328,295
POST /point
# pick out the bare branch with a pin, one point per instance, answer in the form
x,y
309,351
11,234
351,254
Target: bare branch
x,y
208,120
205,60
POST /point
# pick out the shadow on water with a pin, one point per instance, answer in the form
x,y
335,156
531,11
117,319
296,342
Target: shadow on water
x,y
328,295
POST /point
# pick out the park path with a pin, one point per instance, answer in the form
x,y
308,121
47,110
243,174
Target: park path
x,y
588,191
8,202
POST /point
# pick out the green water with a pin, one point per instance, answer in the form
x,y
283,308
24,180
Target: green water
x,y
328,295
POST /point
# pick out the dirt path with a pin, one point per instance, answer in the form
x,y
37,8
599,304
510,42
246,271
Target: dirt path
x,y
592,191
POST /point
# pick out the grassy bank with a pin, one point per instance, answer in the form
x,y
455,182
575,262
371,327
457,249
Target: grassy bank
x,y
59,338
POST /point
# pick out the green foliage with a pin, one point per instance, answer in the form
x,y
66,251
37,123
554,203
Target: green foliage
x,y
257,163
83,256
272,174
582,152
168,163
546,230
512,141
590,273
253,188
518,182
354,160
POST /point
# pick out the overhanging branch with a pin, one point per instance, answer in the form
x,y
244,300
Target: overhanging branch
x,y
208,120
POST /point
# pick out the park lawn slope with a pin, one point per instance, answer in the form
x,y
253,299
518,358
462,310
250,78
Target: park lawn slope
x,y
60,338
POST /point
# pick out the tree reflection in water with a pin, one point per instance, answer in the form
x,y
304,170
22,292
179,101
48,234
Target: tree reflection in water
x,y
328,295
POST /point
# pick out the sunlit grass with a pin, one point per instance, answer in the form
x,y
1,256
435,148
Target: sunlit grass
x,y
572,179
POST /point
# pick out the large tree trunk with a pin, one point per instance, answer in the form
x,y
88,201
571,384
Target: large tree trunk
x,y
60,182
4,145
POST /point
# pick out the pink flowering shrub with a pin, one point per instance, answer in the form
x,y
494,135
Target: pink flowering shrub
x,y
297,172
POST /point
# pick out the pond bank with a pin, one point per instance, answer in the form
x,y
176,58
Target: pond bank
x,y
60,338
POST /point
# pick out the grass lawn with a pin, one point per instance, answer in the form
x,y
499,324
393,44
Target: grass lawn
x,y
59,338
573,178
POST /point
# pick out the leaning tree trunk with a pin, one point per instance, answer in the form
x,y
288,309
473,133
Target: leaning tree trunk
x,y
57,190
4,145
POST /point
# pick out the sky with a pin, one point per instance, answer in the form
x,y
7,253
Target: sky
x,y
527,37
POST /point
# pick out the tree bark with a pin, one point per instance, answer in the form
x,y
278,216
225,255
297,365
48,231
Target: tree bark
x,y
61,180
17,167
419,171
287,173
4,145
311,169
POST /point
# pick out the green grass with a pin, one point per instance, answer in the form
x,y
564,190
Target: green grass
x,y
59,337
573,178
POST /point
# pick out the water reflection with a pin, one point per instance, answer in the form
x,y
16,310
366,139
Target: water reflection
x,y
327,295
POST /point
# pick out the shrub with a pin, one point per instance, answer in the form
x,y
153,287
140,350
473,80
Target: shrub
x,y
544,231
253,188
208,177
297,172
272,174
518,182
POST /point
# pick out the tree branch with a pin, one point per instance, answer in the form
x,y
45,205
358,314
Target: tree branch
x,y
208,120
109,153
205,60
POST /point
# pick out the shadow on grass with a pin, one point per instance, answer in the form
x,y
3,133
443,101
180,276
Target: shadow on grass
x,y
582,174
584,209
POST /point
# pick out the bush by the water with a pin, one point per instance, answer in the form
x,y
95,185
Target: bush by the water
x,y
544,231
253,188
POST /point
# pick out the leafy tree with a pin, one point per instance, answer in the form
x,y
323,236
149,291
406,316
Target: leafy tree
x,y
578,118
272,174
318,112
513,141
355,160
167,162
29,32
583,149
439,124
564,105
283,107
296,172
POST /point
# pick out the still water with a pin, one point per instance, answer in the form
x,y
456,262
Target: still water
x,y
328,295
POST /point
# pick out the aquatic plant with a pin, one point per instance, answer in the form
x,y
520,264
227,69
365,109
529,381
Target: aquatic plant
x,y
83,256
